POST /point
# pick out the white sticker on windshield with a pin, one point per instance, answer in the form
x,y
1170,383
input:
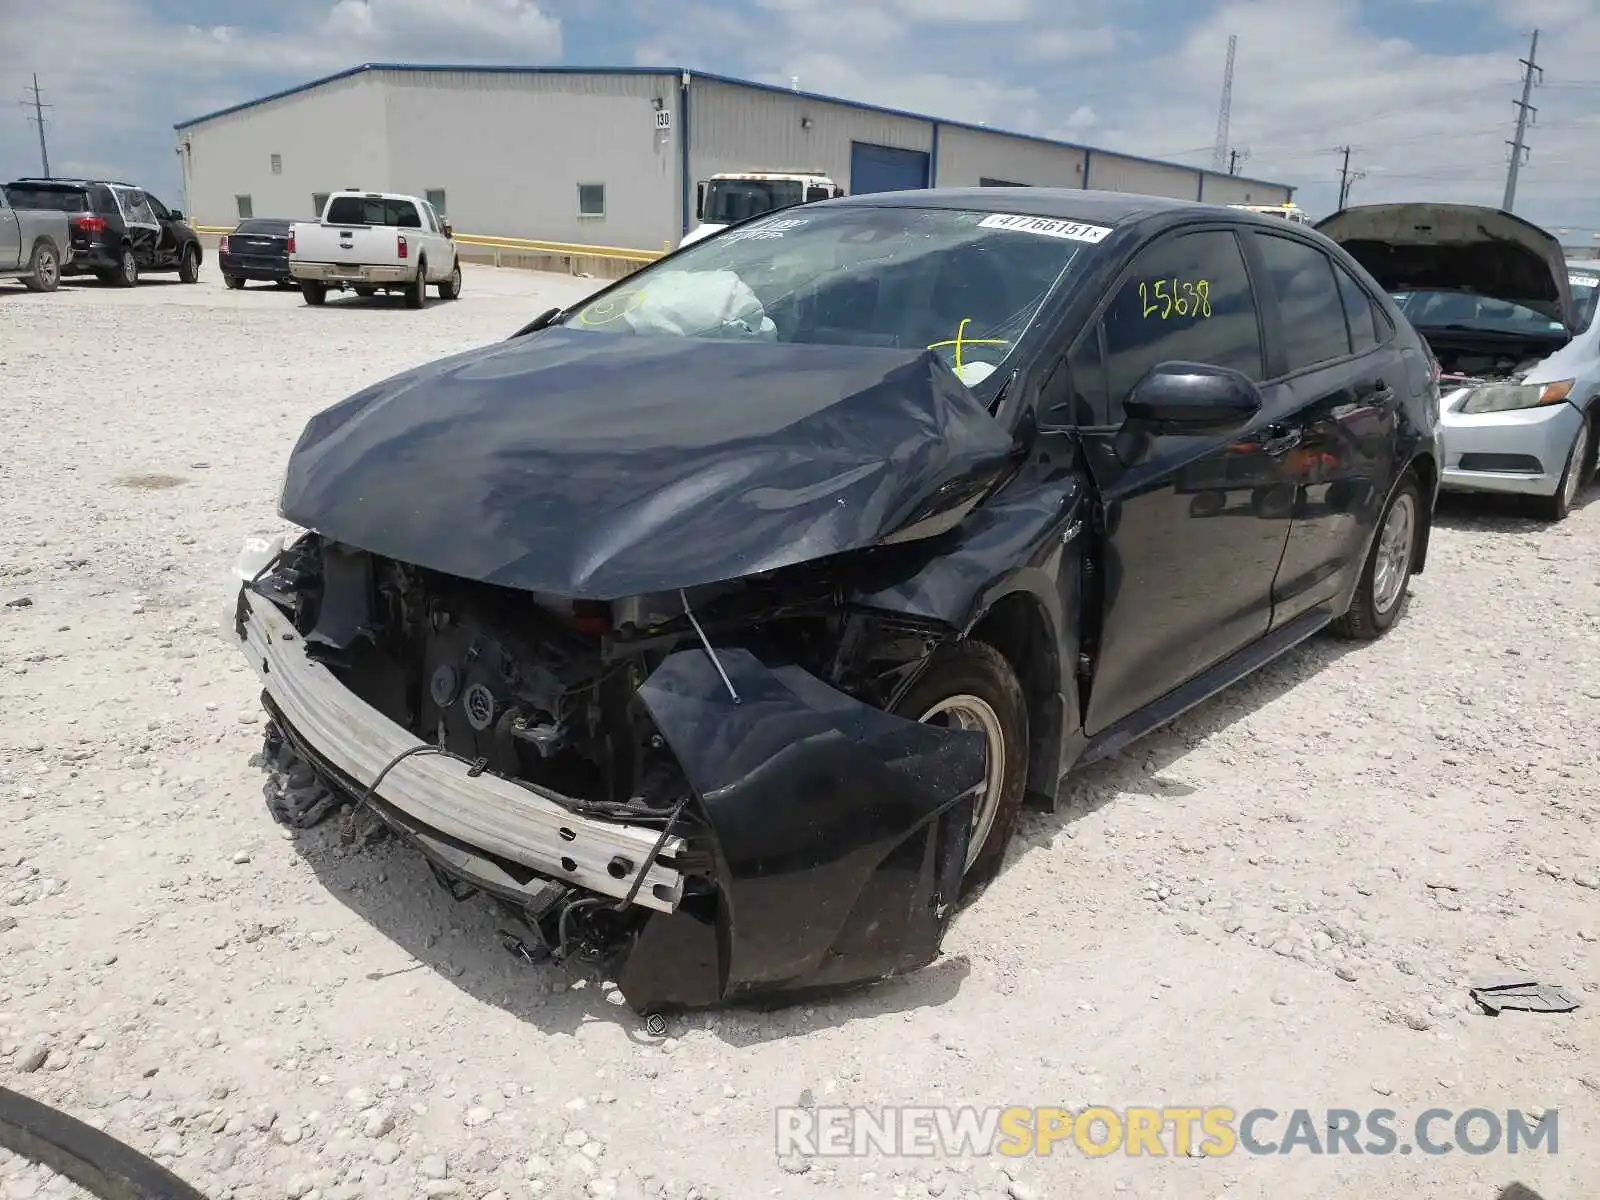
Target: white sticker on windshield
x,y
1072,231
765,232
1585,280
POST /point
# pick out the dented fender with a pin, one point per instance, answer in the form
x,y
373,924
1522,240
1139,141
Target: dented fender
x,y
839,834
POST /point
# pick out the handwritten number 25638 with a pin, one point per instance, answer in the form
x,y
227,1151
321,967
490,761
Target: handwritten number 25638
x,y
1167,298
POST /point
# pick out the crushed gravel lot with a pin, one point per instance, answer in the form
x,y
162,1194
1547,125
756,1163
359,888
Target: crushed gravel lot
x,y
1279,902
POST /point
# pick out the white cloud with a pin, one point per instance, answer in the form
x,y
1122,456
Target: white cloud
x,y
118,76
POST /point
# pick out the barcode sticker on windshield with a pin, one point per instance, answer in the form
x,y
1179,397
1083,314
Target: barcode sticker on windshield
x,y
1072,231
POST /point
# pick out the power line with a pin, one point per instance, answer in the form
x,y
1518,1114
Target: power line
x,y
38,119
1525,113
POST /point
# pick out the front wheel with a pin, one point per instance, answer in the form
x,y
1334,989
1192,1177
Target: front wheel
x,y
189,265
970,685
314,293
1573,477
1381,593
44,269
450,288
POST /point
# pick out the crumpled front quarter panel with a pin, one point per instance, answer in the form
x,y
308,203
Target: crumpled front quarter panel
x,y
817,801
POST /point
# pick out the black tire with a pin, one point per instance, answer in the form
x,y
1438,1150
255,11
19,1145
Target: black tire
x,y
1580,461
189,264
127,272
44,268
450,287
234,282
315,293
417,289
976,669
1369,616
365,293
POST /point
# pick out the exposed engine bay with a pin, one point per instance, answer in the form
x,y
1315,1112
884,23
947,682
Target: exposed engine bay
x,y
550,694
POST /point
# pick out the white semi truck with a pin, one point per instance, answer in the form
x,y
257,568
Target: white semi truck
x,y
734,196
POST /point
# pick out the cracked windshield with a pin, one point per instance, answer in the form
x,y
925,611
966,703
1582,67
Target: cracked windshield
x,y
961,283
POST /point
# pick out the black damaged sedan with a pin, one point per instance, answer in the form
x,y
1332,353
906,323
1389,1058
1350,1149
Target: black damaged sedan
x,y
720,626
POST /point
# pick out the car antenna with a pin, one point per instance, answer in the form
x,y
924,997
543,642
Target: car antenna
x,y
706,642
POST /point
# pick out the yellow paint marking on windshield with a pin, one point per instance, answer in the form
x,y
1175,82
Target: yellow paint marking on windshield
x,y
608,311
961,339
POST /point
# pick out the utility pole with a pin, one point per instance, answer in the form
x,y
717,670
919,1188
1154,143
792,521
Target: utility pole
x,y
1525,117
38,119
1235,157
1346,175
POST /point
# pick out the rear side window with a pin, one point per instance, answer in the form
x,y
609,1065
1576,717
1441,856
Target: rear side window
x,y
1187,298
1308,300
54,199
1359,312
105,203
373,210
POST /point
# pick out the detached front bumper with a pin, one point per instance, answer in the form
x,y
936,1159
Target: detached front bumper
x,y
510,820
1521,452
351,273
832,835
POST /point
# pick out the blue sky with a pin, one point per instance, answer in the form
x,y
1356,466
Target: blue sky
x,y
1421,89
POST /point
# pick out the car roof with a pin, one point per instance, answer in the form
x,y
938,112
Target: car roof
x,y
1076,204
57,181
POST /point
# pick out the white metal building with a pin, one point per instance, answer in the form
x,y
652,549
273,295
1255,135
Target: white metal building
x,y
608,157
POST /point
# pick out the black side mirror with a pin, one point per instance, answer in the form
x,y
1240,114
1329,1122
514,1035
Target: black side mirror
x,y
1192,398
447,229
700,201
538,323
175,214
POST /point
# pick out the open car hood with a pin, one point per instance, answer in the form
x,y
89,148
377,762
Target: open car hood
x,y
601,465
1457,248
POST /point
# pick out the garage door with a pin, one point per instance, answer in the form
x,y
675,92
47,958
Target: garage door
x,y
886,169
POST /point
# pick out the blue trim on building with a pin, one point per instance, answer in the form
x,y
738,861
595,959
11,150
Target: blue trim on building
x,y
710,77
683,152
1088,157
1200,194
933,157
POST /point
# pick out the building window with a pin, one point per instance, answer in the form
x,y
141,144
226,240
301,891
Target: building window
x,y
591,199
246,209
277,164
435,197
319,201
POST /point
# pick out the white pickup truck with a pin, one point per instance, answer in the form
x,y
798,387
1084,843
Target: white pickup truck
x,y
374,242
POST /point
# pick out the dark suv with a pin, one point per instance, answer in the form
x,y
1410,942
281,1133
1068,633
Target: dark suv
x,y
119,231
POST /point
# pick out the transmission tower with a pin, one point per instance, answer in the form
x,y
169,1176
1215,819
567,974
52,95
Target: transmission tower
x,y
38,105
1219,151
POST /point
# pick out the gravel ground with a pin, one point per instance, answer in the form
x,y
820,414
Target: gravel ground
x,y
1279,902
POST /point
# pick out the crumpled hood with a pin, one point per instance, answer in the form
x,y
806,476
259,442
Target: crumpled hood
x,y
1456,248
601,465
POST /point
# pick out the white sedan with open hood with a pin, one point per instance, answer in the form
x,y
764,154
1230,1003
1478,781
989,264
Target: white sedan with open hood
x,y
1512,326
